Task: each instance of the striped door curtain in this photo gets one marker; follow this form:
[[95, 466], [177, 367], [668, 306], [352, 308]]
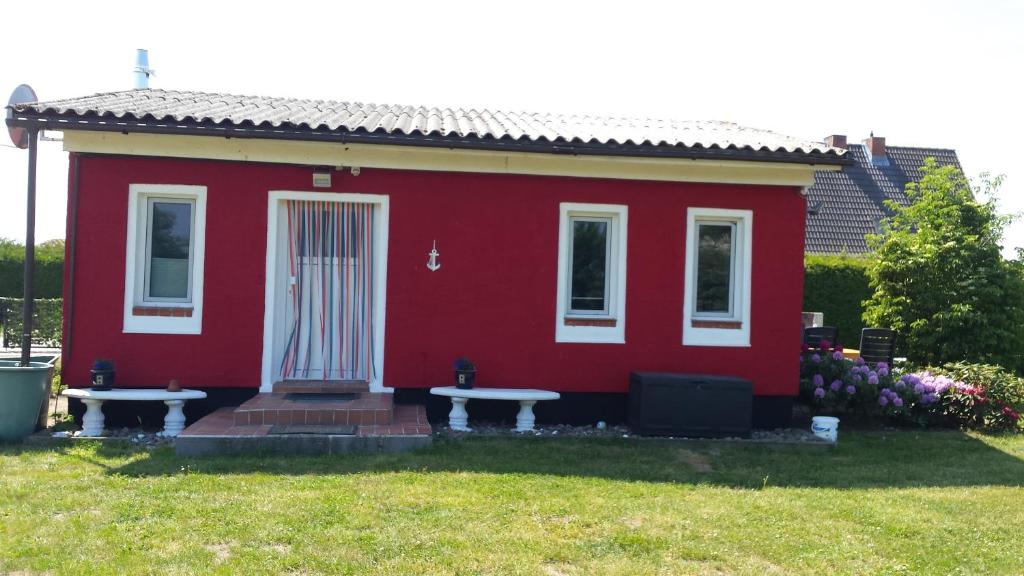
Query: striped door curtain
[[329, 313]]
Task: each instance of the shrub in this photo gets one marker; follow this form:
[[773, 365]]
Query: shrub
[[838, 286], [984, 397], [988, 399], [833, 384], [938, 277], [919, 398]]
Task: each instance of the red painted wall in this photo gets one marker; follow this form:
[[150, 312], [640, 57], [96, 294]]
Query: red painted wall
[[493, 300]]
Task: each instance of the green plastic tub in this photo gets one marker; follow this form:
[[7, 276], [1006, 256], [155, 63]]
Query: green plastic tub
[[22, 390]]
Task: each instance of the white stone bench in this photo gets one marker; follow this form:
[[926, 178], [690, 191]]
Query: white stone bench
[[92, 422], [458, 418]]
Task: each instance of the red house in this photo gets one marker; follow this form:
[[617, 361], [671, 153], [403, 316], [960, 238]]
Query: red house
[[232, 242]]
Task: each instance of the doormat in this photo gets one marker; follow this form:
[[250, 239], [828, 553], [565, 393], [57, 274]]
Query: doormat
[[321, 397], [339, 430]]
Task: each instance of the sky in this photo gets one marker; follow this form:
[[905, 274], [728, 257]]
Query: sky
[[941, 74]]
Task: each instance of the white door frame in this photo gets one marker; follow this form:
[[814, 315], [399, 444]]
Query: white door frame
[[276, 197]]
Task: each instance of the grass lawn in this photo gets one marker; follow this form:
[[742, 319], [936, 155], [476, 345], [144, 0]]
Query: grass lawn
[[880, 503]]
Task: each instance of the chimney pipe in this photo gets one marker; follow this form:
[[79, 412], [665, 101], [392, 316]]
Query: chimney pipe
[[836, 141], [142, 69], [875, 146]]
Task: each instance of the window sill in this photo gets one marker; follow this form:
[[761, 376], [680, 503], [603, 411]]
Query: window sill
[[717, 324], [172, 311], [585, 321]]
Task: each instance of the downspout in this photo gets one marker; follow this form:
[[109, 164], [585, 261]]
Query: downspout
[[69, 290], [28, 290]]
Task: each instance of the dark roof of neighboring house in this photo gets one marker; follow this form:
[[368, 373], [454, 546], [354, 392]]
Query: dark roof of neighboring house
[[180, 112], [849, 203]]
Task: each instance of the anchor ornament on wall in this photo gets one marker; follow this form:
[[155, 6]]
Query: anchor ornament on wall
[[432, 264]]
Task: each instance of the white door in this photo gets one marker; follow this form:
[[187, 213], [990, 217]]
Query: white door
[[326, 287]]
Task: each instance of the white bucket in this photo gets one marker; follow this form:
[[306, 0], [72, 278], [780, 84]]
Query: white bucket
[[825, 427]]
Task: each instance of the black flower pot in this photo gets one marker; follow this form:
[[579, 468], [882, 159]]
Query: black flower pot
[[464, 379], [102, 379]]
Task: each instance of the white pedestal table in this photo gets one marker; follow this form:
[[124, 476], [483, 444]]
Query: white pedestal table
[[458, 418], [92, 422]]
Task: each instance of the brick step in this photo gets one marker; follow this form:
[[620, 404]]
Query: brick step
[[320, 386], [217, 434], [288, 409]]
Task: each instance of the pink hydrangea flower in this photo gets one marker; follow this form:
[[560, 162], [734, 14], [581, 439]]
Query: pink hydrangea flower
[[819, 392]]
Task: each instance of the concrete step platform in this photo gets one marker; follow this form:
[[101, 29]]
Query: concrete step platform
[[219, 434]]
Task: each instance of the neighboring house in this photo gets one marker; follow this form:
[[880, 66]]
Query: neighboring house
[[845, 206], [231, 242]]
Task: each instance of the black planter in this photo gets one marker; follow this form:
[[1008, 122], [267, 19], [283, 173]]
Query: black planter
[[102, 379], [464, 379]]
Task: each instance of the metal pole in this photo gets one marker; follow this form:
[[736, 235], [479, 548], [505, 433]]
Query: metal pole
[[30, 249]]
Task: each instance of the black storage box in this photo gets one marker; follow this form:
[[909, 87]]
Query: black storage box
[[694, 405]]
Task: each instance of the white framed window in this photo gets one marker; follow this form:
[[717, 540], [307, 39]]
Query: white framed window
[[716, 289], [164, 259], [591, 293]]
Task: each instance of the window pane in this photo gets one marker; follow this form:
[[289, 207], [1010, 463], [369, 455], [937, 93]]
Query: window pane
[[714, 268], [171, 233], [589, 265]]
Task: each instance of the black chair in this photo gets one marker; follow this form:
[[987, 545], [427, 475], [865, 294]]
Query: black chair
[[878, 345], [813, 336]]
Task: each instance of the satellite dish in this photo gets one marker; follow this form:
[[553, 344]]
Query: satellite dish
[[22, 94]]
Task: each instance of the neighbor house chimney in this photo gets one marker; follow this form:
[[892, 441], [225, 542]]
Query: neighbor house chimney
[[875, 146], [836, 141], [142, 69]]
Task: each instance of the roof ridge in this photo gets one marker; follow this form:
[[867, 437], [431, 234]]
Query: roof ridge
[[897, 147], [889, 147], [466, 110]]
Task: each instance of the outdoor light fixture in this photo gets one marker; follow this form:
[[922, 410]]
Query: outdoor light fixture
[[322, 177]]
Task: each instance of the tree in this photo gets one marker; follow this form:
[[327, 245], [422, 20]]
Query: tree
[[938, 276]]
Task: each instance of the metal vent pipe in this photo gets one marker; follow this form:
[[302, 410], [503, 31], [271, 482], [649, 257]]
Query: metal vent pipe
[[142, 69]]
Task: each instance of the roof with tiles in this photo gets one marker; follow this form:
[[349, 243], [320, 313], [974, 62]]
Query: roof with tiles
[[156, 110], [846, 205]]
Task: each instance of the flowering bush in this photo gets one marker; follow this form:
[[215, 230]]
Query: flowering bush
[[834, 384], [914, 398], [970, 396], [982, 397]]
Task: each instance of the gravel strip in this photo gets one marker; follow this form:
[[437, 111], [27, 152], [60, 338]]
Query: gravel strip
[[777, 436], [136, 436]]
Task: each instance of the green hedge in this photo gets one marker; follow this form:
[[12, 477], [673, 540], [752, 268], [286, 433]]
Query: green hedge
[[49, 269], [48, 279], [837, 286], [46, 324]]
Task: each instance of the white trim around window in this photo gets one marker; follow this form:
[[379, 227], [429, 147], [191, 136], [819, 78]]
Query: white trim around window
[[598, 324], [145, 312], [729, 324]]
